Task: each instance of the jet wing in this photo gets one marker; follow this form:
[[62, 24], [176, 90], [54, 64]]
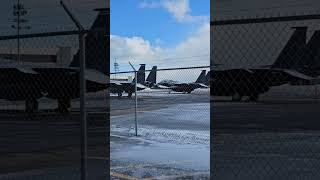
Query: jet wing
[[298, 75], [27, 70], [248, 70], [96, 76], [115, 83], [161, 86], [203, 85], [141, 86], [126, 83]]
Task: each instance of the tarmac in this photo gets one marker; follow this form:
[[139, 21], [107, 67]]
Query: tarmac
[[275, 138], [46, 144]]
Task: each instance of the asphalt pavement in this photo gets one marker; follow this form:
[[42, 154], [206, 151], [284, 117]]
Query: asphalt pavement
[[275, 138]]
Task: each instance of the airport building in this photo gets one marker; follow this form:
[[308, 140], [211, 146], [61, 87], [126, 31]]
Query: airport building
[[60, 55], [63, 55]]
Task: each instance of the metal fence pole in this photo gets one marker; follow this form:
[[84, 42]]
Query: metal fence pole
[[136, 98], [316, 91], [83, 114], [18, 32], [136, 102]]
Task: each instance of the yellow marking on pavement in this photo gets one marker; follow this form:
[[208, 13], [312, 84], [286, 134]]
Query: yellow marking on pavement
[[124, 176]]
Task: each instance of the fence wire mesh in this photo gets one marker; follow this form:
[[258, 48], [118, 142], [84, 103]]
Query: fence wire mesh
[[270, 67], [172, 116]]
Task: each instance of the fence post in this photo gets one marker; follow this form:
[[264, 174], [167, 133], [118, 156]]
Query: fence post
[[136, 102], [135, 98], [316, 91], [83, 114]]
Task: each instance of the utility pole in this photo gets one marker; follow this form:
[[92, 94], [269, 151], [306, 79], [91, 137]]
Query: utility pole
[[116, 68], [19, 11]]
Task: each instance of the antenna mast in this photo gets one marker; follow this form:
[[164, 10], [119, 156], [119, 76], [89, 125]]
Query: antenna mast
[[19, 11], [116, 67]]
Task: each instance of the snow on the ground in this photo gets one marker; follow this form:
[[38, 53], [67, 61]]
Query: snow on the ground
[[160, 145], [167, 135], [181, 123]]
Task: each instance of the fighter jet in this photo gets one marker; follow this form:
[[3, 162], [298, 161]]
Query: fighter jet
[[119, 87], [255, 81], [30, 81], [184, 87]]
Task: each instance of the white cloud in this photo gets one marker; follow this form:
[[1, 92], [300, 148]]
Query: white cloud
[[180, 9], [197, 43], [135, 49], [193, 51]]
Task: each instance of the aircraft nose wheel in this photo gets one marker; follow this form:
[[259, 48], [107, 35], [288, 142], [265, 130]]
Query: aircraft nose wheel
[[32, 105], [254, 97], [236, 97], [64, 105]]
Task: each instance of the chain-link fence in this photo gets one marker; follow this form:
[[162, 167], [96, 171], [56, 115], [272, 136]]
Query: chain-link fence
[[172, 121], [265, 92], [47, 130]]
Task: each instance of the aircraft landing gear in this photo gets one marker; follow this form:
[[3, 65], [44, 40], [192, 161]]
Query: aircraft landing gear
[[129, 94], [64, 105], [236, 97], [254, 97], [32, 105]]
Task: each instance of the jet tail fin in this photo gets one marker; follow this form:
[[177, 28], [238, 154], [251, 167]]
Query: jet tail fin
[[141, 74], [293, 52], [152, 77], [202, 77], [207, 79], [97, 51], [312, 55]]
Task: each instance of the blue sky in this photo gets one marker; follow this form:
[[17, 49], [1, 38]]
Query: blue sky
[[158, 32], [128, 18]]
